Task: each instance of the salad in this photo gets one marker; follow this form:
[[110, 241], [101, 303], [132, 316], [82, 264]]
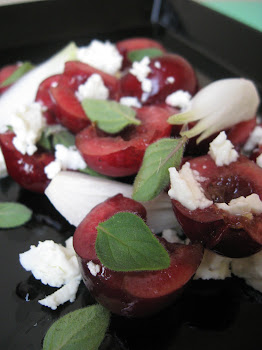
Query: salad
[[129, 144]]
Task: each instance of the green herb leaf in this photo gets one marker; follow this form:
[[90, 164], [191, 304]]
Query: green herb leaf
[[92, 172], [79, 330], [45, 141], [125, 243], [18, 73], [138, 55], [64, 138], [110, 116], [153, 175], [13, 214]]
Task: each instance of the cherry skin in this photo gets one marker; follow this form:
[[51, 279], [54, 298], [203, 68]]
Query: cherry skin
[[5, 73], [122, 155], [234, 236], [128, 45], [46, 99], [133, 294], [169, 73], [27, 171]]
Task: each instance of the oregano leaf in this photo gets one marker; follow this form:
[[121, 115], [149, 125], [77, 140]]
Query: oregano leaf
[[109, 116], [138, 55], [125, 243], [18, 73], [13, 214], [153, 175], [64, 138], [78, 330]]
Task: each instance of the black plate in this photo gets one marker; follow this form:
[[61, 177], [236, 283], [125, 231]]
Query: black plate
[[211, 314]]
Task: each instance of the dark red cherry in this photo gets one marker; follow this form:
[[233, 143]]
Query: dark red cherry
[[230, 235], [135, 294], [128, 45], [27, 171], [46, 99], [121, 155], [169, 73]]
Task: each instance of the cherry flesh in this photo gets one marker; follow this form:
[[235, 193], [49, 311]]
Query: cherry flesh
[[5, 73], [27, 171], [122, 155]]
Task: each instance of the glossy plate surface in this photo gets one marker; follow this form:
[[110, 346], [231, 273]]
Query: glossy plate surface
[[211, 314]]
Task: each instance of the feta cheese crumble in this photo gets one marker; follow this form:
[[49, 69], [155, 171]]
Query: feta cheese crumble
[[222, 150], [213, 266], [170, 80], [243, 205], [65, 158], [180, 99], [93, 88], [157, 64], [56, 266], [254, 139], [141, 70], [186, 189], [93, 268], [130, 101], [250, 269], [28, 124], [101, 55]]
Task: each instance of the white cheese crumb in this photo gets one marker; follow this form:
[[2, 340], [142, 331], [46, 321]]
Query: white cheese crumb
[[103, 56], [51, 263], [93, 268], [180, 99], [62, 295], [254, 139], [93, 88], [3, 170], [130, 101], [186, 189], [250, 269], [171, 236], [65, 158], [213, 266], [157, 64], [259, 160], [27, 123], [56, 266], [222, 150], [170, 80], [243, 205], [141, 70]]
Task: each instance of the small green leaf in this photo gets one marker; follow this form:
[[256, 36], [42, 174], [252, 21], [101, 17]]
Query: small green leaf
[[18, 73], [83, 329], [110, 116], [138, 55], [64, 138], [153, 175], [125, 243], [92, 172], [45, 141], [13, 214]]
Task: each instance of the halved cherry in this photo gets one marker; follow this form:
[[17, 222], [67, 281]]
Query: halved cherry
[[5, 73], [135, 294], [46, 99], [240, 132], [127, 45], [69, 111], [169, 73], [122, 155], [27, 171], [230, 235], [78, 72]]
